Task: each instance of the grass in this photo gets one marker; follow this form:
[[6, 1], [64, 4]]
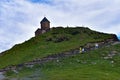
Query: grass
[[56, 41], [88, 66]]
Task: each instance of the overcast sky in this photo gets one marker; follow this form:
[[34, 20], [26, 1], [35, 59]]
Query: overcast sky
[[20, 18]]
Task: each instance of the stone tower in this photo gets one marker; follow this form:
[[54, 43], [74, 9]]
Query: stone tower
[[45, 26]]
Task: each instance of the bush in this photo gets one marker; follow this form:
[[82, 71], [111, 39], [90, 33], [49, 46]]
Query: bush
[[57, 38], [60, 38], [75, 32], [49, 38]]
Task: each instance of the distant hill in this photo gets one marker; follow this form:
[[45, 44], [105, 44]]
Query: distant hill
[[55, 41]]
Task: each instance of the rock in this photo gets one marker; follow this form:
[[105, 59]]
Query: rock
[[15, 71], [57, 60], [114, 52], [29, 66], [115, 38], [112, 62], [117, 42]]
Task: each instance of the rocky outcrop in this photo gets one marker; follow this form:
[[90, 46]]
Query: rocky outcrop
[[114, 37]]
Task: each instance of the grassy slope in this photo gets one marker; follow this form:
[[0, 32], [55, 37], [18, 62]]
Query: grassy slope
[[38, 47], [88, 66]]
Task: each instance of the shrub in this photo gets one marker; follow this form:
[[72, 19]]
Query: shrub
[[49, 38], [75, 32], [60, 38]]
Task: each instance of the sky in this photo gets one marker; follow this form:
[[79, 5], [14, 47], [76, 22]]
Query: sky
[[20, 18]]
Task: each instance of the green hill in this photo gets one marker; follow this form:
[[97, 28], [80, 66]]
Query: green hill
[[59, 40], [92, 65], [56, 41]]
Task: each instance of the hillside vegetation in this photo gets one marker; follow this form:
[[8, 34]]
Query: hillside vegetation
[[93, 65], [55, 41]]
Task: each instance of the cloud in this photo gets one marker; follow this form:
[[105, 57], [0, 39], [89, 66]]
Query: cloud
[[20, 18]]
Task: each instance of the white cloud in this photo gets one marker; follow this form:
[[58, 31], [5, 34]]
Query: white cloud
[[20, 18]]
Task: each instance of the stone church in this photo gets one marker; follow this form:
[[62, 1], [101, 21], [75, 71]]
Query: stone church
[[45, 26]]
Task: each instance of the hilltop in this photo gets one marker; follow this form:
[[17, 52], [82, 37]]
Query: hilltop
[[59, 40], [55, 41]]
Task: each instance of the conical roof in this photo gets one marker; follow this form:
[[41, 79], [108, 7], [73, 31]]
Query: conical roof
[[44, 20]]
